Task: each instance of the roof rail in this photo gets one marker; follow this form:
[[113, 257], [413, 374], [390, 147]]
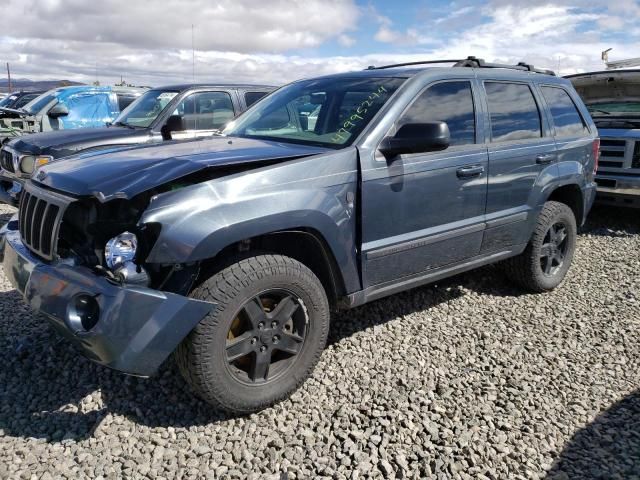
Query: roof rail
[[471, 62]]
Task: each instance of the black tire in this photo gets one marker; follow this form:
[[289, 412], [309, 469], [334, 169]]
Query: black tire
[[533, 269], [204, 357]]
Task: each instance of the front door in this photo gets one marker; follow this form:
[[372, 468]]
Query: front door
[[424, 211]]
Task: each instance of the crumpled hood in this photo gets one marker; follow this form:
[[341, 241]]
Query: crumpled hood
[[607, 86], [126, 173], [62, 143]]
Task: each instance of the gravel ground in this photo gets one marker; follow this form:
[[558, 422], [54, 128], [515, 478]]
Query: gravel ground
[[469, 378]]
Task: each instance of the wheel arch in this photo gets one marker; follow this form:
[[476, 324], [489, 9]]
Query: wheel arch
[[304, 244], [572, 196]]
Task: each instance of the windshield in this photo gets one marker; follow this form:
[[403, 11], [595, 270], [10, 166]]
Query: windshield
[[38, 103], [145, 109], [8, 100], [614, 107], [328, 112]]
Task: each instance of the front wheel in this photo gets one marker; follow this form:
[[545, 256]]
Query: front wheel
[[263, 339], [545, 262]]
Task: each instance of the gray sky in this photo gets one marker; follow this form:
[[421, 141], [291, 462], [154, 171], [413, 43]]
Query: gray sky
[[274, 41]]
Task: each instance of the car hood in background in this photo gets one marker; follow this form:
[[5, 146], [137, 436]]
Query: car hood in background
[[126, 173], [607, 86], [62, 143]]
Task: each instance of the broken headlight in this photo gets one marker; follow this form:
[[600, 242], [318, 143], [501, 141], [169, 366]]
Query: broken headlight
[[120, 249]]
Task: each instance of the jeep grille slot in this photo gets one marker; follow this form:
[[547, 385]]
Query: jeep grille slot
[[6, 160], [39, 220]]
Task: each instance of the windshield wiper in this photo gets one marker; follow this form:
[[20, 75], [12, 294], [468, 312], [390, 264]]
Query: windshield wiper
[[600, 111]]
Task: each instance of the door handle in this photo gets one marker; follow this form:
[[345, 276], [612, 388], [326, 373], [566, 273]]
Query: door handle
[[544, 159], [470, 171]]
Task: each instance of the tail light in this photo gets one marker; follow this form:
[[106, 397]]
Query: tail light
[[596, 154]]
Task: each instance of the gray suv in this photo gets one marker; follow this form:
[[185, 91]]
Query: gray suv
[[231, 252]]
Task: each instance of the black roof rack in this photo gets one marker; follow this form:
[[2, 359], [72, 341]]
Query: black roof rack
[[472, 62]]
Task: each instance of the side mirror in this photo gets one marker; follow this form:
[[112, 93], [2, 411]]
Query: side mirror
[[173, 124], [58, 110], [417, 138]]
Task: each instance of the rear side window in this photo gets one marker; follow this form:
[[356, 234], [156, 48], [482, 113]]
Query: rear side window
[[450, 102], [566, 118], [513, 111], [252, 97]]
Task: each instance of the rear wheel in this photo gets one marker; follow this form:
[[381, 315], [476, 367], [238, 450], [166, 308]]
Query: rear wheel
[[548, 256], [263, 339]]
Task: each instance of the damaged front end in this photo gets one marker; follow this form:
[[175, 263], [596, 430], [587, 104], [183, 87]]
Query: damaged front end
[[128, 316]]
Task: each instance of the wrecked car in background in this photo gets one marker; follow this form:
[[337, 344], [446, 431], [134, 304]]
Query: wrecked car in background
[[613, 99], [16, 100], [67, 108], [169, 113]]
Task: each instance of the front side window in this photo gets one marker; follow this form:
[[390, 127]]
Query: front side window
[[87, 109], [205, 110], [566, 118], [144, 110], [450, 102], [513, 111], [328, 112]]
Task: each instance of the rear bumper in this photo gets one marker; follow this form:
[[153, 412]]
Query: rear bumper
[[137, 328], [618, 190]]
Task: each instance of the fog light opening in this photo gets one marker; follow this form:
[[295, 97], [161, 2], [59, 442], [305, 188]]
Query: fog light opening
[[83, 312]]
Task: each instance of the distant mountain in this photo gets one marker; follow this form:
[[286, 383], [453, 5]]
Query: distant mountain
[[26, 84]]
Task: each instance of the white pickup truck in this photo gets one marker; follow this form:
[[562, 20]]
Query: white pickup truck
[[613, 99]]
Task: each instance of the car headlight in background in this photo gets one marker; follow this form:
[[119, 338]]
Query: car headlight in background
[[29, 163], [120, 249]]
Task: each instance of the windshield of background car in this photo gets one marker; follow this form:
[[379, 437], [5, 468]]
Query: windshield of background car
[[38, 103], [143, 111], [8, 100], [328, 112], [613, 107]]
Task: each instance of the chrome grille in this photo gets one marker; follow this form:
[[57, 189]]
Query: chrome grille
[[6, 160], [39, 220], [619, 154]]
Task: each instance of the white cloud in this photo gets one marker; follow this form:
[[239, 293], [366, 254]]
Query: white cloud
[[346, 40]]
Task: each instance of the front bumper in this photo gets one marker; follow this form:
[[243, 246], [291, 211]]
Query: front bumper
[[618, 190], [137, 329]]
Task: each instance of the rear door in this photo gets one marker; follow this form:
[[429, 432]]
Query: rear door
[[573, 138], [521, 149], [426, 210]]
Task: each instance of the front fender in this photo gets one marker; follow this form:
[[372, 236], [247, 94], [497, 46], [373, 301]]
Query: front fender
[[316, 192]]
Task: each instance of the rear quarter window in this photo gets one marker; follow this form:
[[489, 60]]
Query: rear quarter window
[[252, 97], [566, 118]]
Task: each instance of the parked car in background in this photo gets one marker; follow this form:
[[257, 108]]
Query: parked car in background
[[170, 113], [17, 100], [613, 99], [231, 251], [67, 108]]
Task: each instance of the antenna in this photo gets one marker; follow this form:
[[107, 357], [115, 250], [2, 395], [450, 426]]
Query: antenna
[[193, 56], [9, 75]]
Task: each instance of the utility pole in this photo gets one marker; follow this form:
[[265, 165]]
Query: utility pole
[[9, 75]]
